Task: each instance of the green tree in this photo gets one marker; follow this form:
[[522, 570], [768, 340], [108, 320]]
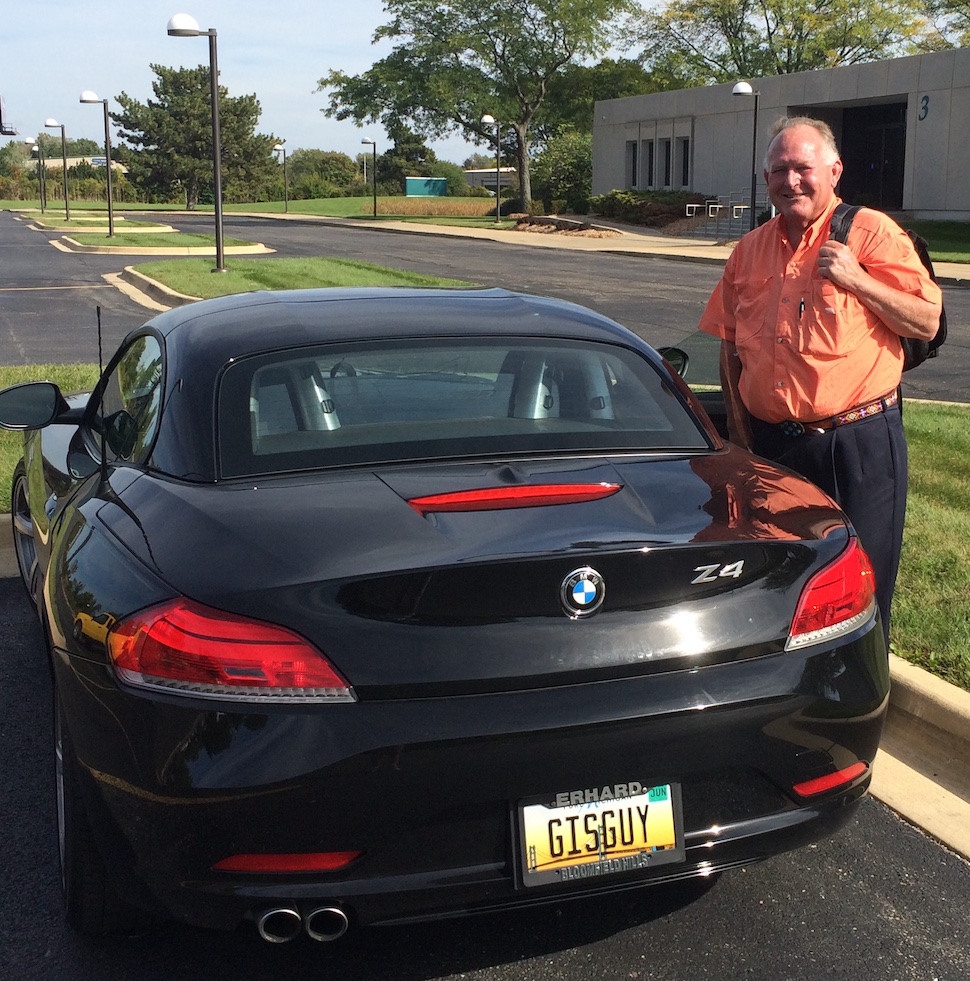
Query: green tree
[[564, 171], [170, 139], [407, 157], [951, 20], [480, 161], [326, 165], [573, 92], [697, 42], [455, 60]]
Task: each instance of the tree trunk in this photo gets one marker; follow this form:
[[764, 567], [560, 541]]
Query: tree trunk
[[191, 194]]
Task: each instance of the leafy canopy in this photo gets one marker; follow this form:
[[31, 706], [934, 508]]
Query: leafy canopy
[[456, 60], [698, 42], [172, 135]]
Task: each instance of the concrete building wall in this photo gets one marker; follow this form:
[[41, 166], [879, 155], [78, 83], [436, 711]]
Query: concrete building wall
[[933, 91]]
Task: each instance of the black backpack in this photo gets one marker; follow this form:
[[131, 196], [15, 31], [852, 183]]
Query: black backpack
[[915, 351]]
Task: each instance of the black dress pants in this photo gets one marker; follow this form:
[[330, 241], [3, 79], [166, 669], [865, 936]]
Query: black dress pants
[[863, 467]]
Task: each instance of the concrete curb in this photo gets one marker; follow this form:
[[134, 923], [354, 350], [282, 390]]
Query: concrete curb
[[70, 245], [152, 288]]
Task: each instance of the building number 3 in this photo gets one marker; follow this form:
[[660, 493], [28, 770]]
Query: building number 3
[[924, 107]]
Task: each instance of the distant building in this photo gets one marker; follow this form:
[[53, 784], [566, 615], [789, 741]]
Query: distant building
[[485, 177], [901, 126], [56, 162]]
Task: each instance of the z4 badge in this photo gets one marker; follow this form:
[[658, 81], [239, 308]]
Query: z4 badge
[[711, 573]]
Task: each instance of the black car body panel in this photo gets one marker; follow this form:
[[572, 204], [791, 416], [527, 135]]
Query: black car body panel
[[477, 687]]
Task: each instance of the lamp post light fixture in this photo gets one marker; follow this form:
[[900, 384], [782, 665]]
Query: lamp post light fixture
[[745, 89], [37, 147], [373, 145], [279, 148], [54, 124], [185, 25], [489, 120], [90, 98]]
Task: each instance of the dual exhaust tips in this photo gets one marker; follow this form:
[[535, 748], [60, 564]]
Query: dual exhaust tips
[[284, 923]]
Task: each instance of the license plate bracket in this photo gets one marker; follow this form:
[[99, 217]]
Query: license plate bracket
[[583, 835]]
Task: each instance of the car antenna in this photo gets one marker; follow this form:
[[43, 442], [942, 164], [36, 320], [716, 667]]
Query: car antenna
[[104, 445]]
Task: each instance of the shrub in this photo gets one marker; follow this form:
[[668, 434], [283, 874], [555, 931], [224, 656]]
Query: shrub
[[653, 209]]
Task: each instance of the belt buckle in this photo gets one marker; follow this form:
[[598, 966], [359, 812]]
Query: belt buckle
[[792, 428]]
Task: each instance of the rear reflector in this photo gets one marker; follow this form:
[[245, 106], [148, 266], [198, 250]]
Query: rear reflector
[[835, 601], [299, 862], [524, 496], [185, 647], [809, 788]]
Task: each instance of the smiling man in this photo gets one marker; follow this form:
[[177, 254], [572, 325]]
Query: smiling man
[[810, 354]]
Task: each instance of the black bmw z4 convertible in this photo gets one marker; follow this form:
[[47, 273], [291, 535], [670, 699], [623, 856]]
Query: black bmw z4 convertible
[[380, 605]]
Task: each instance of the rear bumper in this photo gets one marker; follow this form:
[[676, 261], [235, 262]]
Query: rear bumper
[[428, 789]]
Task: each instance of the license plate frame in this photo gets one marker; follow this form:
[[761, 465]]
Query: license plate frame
[[572, 838]]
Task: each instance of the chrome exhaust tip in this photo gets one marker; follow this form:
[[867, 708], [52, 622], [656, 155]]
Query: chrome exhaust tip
[[326, 923], [279, 925]]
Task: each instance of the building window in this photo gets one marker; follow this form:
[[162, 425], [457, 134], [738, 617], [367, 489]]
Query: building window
[[665, 162], [647, 157], [683, 161], [631, 163]]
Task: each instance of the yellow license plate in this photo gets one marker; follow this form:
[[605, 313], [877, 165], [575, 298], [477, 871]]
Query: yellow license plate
[[583, 834]]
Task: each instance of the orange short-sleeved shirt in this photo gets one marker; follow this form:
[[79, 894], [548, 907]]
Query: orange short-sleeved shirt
[[808, 348]]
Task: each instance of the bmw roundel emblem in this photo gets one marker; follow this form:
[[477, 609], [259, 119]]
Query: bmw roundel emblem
[[582, 592]]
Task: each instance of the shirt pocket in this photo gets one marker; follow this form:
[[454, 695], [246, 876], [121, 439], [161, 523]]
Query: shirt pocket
[[827, 326], [752, 298]]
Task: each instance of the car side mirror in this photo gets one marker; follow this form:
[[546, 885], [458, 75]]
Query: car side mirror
[[32, 405], [676, 358]]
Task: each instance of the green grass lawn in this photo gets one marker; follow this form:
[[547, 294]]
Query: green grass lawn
[[194, 277], [149, 240]]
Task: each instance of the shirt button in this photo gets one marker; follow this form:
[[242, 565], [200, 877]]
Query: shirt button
[[781, 340], [780, 384], [784, 299]]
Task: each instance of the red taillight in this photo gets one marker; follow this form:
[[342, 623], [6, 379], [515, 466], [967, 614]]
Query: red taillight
[[522, 496], [836, 600], [184, 646], [298, 862], [809, 788]]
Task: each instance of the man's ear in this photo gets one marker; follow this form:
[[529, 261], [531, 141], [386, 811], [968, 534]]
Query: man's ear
[[836, 173]]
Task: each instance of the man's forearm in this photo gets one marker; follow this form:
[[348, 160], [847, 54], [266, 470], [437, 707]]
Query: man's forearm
[[738, 418]]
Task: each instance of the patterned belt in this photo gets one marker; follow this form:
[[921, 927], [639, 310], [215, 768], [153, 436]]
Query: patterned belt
[[874, 408]]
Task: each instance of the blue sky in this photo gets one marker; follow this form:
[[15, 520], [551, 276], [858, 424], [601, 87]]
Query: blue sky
[[52, 50]]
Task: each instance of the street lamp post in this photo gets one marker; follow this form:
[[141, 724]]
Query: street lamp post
[[37, 147], [373, 145], [89, 98], [279, 148], [745, 89], [184, 25], [54, 124], [488, 120]]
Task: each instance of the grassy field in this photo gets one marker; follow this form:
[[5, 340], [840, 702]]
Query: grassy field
[[149, 240], [193, 277]]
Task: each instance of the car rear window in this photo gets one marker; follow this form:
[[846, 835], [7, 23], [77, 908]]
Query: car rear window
[[419, 399]]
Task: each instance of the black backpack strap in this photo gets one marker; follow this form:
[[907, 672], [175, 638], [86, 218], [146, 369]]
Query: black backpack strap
[[842, 221]]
